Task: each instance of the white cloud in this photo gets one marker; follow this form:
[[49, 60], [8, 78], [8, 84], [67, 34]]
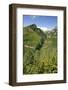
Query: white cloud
[[33, 17], [43, 28]]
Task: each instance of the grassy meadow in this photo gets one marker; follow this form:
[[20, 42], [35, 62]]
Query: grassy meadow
[[40, 50]]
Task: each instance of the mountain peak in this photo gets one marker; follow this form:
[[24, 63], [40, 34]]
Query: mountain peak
[[33, 26]]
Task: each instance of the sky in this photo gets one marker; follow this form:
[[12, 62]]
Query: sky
[[43, 22]]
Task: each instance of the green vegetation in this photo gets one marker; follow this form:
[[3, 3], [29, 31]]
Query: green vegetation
[[40, 50]]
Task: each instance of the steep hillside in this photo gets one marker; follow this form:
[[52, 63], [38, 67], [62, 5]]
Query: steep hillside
[[33, 35]]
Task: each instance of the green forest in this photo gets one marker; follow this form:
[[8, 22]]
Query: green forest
[[40, 50]]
